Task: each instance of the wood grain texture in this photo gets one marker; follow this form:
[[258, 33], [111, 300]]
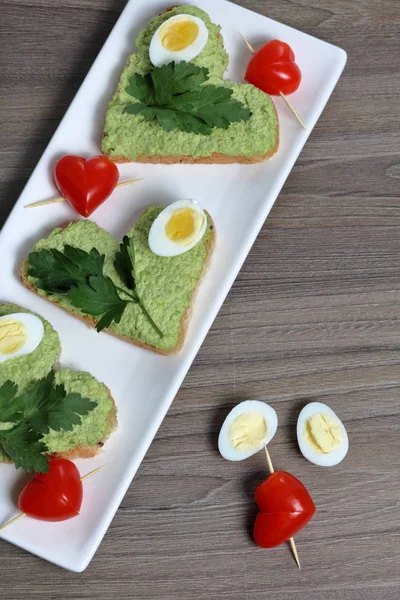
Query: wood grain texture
[[314, 315]]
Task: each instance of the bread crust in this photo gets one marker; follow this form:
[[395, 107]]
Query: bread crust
[[214, 159], [185, 317]]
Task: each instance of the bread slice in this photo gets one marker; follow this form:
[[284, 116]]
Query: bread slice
[[185, 318], [130, 138]]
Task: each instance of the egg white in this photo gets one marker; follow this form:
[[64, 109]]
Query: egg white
[[161, 56], [35, 332], [248, 406], [159, 242], [322, 460]]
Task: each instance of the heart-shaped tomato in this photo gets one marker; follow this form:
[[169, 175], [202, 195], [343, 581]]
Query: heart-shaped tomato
[[285, 507], [53, 496], [86, 183], [273, 69]]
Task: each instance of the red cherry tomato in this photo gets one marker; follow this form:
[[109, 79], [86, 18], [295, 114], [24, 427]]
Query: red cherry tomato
[[285, 507], [273, 69], [53, 496], [86, 183]]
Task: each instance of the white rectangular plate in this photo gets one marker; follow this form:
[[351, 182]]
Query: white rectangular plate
[[239, 198]]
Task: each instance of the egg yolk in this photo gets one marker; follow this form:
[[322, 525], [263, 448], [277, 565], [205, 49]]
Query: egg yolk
[[179, 34], [13, 335], [247, 432], [323, 433], [183, 226]]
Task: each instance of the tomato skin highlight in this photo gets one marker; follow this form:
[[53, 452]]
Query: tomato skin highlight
[[273, 69], [53, 496], [86, 183], [285, 508]]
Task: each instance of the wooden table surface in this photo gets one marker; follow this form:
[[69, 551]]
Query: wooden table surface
[[313, 315]]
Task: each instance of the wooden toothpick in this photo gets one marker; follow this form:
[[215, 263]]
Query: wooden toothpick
[[282, 95], [14, 520], [62, 199], [18, 517], [291, 540], [295, 553], [247, 43], [91, 473], [269, 461], [292, 109]]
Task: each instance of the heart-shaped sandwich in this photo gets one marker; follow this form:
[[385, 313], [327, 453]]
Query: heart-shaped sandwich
[[285, 507], [141, 290], [45, 411], [172, 104]]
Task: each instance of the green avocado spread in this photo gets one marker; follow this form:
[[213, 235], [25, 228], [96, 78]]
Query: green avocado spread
[[165, 285], [24, 369], [132, 136]]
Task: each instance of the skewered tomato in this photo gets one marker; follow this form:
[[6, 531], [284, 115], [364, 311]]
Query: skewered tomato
[[273, 69], [55, 495]]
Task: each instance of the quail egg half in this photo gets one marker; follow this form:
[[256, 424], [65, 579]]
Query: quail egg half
[[177, 229], [20, 333], [179, 38], [321, 435], [247, 429]]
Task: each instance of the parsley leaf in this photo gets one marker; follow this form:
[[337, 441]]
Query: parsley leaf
[[46, 406], [24, 447], [43, 407], [141, 87], [30, 402], [62, 411], [124, 264], [98, 296], [213, 105], [176, 78], [175, 97], [79, 275], [8, 411], [57, 271]]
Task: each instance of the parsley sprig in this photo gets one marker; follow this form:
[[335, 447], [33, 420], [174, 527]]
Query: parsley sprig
[[174, 95], [31, 415], [79, 275], [125, 266]]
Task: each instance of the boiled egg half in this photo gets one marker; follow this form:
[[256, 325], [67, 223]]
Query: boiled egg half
[[321, 435], [20, 333], [177, 229], [179, 38], [247, 428]]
